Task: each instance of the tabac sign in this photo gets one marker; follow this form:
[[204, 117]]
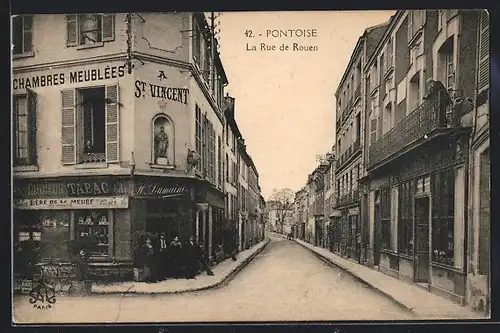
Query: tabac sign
[[95, 187]]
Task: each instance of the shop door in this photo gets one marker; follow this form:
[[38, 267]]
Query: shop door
[[206, 232], [242, 237], [421, 261], [378, 235]]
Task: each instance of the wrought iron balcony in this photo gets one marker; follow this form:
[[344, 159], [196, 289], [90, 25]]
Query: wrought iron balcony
[[348, 198], [348, 153], [426, 119], [92, 158]]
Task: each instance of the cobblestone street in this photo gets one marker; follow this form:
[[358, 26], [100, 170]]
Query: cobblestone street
[[284, 282]]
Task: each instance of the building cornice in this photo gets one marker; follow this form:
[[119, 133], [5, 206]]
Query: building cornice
[[70, 63], [72, 173]]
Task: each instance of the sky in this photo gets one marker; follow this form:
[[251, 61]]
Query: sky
[[284, 100]]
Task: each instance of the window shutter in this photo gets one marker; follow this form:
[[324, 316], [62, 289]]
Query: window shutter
[[484, 50], [31, 105], [373, 130], [71, 30], [68, 132], [108, 27], [410, 24], [27, 33], [15, 119], [80, 133], [112, 124]]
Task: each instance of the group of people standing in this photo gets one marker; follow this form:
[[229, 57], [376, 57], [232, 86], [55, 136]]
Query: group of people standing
[[174, 259]]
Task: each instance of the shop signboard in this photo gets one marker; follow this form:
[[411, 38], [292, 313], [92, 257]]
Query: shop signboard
[[161, 189], [72, 203], [75, 188]]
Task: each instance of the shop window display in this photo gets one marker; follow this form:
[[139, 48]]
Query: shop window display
[[54, 227], [51, 228], [92, 227]]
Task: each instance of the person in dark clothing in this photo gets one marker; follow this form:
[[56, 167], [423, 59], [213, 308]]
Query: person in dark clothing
[[440, 99], [202, 258], [229, 244], [149, 261], [358, 247], [190, 253], [175, 252], [162, 257]]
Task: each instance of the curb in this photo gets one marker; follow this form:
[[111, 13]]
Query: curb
[[357, 277], [214, 285]]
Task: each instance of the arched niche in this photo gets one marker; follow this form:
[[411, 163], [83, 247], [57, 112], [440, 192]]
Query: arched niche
[[163, 141]]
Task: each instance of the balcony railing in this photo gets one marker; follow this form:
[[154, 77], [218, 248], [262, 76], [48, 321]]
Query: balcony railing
[[93, 158], [348, 198], [348, 153], [429, 116]]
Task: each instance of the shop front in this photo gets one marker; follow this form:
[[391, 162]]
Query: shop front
[[54, 211], [64, 214], [209, 218], [164, 205], [335, 231], [418, 217]]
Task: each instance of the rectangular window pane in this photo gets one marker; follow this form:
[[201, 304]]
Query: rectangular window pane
[[55, 234], [23, 125], [17, 35], [23, 153], [92, 230], [23, 236]]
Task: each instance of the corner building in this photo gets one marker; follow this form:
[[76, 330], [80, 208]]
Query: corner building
[[118, 129], [416, 152]]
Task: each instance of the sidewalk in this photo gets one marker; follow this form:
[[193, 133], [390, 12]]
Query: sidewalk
[[222, 273], [423, 304]]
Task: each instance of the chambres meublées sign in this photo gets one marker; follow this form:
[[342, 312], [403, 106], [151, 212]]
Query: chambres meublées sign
[[68, 77]]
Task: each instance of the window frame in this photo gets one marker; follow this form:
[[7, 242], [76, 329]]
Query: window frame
[[385, 218], [449, 64], [406, 196], [443, 218], [27, 32], [75, 19], [31, 160]]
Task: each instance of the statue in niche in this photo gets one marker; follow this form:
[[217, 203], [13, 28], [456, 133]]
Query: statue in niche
[[161, 146]]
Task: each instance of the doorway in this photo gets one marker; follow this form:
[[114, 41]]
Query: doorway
[[421, 257], [378, 235]]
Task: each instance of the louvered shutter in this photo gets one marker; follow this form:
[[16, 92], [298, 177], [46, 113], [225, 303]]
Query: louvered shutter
[[71, 30], [379, 124], [373, 130], [112, 124], [27, 33], [484, 51], [15, 120], [68, 130], [80, 130], [108, 27], [31, 105]]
